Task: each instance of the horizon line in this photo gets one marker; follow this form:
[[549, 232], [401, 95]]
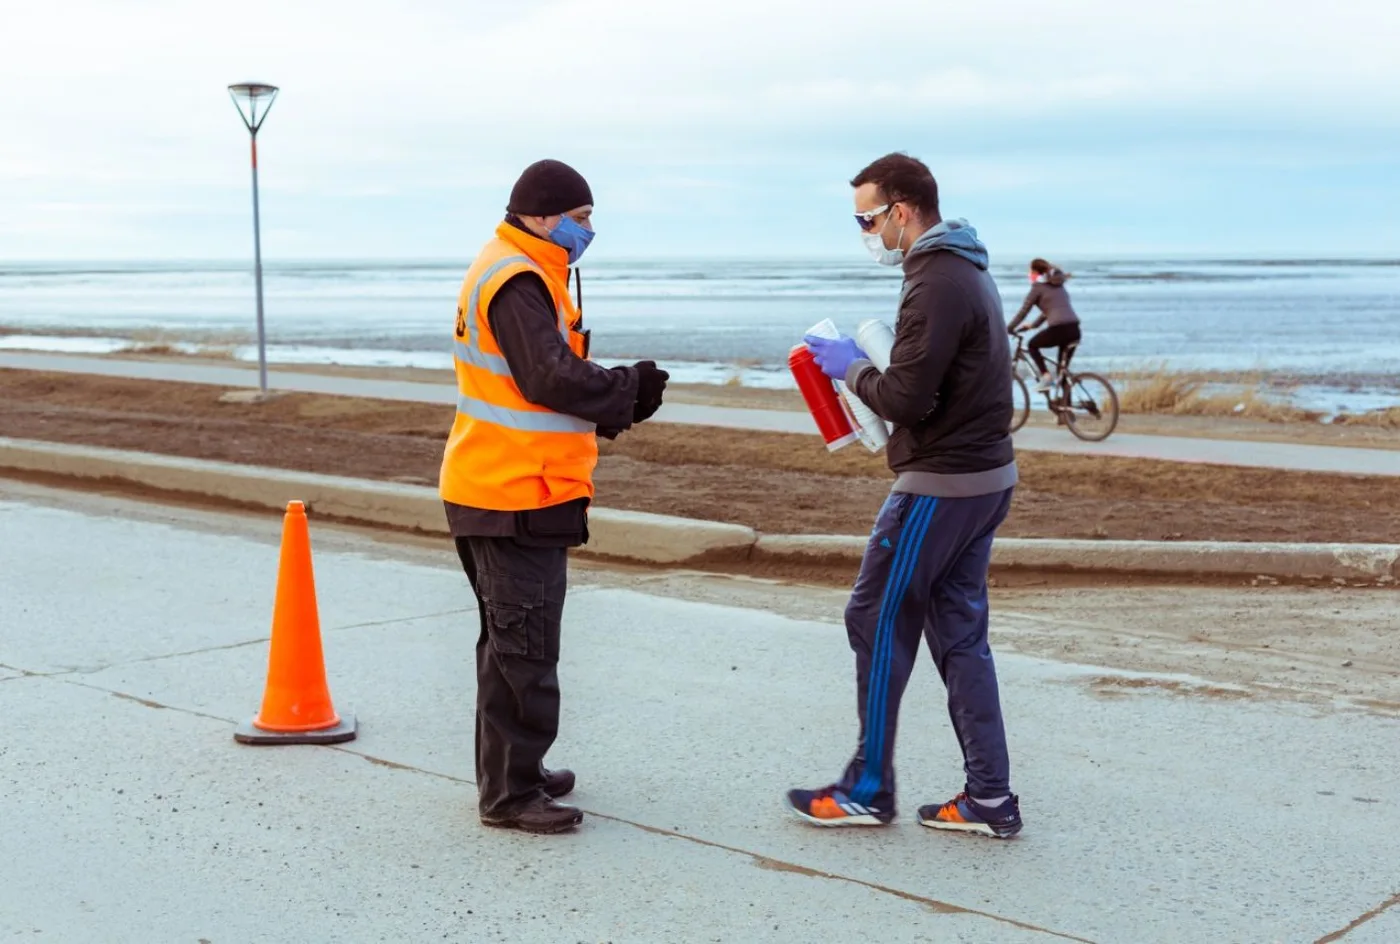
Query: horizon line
[[1177, 255]]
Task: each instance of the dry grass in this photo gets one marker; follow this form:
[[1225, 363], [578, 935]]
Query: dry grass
[[735, 378], [1163, 391], [157, 342], [152, 350], [161, 349], [1376, 419]]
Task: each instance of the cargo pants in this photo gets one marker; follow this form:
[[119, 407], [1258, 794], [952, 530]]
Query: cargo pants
[[520, 594]]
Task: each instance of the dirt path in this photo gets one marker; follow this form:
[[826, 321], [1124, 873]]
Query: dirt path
[[774, 482], [1230, 644]]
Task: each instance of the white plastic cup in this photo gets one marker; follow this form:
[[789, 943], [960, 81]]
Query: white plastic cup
[[871, 429], [876, 339]]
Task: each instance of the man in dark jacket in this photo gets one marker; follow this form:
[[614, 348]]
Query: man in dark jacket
[[924, 575], [517, 478]]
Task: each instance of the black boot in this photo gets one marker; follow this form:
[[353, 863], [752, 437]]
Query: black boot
[[541, 816], [558, 783]]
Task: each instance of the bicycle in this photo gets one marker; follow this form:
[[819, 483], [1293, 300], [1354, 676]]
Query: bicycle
[[1085, 402]]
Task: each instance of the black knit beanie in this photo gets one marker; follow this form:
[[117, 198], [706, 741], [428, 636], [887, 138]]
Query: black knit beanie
[[548, 188]]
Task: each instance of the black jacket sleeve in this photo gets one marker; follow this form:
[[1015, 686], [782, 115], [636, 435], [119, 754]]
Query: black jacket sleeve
[[927, 337], [1032, 299], [523, 320]]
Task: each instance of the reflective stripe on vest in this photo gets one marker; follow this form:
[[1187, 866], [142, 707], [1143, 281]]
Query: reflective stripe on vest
[[468, 350], [522, 419], [475, 356]]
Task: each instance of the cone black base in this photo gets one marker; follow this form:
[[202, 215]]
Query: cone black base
[[249, 733]]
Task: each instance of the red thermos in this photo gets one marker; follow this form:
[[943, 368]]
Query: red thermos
[[822, 400]]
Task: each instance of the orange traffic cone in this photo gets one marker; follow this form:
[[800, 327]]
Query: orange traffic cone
[[296, 706]]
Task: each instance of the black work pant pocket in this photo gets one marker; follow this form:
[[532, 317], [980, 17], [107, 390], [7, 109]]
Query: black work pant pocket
[[519, 622]]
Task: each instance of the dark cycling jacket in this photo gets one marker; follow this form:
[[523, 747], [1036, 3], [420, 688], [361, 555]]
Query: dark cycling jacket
[[1052, 298]]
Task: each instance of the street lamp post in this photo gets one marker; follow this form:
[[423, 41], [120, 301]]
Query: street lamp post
[[254, 100]]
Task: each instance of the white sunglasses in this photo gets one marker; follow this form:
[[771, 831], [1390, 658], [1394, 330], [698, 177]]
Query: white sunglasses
[[866, 220]]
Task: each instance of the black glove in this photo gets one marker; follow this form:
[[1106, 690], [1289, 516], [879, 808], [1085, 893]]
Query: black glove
[[609, 432], [651, 384]]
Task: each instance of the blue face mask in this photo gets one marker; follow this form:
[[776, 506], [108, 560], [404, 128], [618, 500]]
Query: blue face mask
[[572, 237]]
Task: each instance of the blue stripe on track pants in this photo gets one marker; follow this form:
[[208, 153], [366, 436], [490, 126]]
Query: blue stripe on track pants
[[924, 575]]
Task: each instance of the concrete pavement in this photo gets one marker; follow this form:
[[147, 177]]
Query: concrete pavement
[[1307, 458], [133, 637]]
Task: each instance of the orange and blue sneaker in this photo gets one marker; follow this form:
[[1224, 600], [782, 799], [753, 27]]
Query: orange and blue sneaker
[[830, 806], [966, 815]]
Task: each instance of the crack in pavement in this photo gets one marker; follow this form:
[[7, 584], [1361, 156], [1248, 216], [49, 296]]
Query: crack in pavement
[[758, 858], [1371, 915], [762, 861], [146, 702], [779, 865], [30, 673], [223, 647], [144, 660], [403, 619]]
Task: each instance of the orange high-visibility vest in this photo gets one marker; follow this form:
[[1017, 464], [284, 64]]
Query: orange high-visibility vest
[[506, 453]]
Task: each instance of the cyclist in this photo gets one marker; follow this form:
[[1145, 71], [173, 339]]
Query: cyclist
[[1049, 294]]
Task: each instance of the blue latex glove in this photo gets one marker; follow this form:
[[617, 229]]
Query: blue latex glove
[[834, 357]]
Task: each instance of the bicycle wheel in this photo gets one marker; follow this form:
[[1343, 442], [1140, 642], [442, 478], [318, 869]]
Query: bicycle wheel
[[1091, 407], [1020, 402]]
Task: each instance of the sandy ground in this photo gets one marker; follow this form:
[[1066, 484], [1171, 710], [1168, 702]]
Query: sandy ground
[[1204, 427], [776, 482], [1318, 646]]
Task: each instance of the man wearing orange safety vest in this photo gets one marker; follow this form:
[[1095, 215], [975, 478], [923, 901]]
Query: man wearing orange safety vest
[[517, 478]]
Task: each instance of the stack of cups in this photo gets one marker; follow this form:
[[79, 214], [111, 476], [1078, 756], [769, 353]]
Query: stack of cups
[[871, 429]]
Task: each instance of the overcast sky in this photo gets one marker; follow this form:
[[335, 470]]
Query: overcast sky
[[719, 128]]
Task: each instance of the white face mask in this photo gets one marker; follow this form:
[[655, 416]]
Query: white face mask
[[875, 245]]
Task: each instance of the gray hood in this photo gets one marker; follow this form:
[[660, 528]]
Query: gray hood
[[954, 236]]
